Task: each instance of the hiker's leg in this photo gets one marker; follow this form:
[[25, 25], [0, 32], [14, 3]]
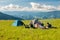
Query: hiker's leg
[[36, 26]]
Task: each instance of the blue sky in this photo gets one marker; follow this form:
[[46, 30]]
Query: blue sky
[[29, 5], [26, 2]]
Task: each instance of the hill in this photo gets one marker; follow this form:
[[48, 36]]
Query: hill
[[8, 17], [9, 32], [32, 15]]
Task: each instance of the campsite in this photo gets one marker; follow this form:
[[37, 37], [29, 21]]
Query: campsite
[[9, 32], [29, 19]]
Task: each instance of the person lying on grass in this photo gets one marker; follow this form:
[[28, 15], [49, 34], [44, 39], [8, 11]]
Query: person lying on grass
[[35, 24], [41, 25]]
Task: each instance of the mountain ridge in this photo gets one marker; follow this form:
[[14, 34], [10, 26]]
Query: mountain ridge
[[8, 17], [32, 15]]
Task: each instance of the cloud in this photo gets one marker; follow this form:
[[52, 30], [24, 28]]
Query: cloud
[[42, 7], [58, 8], [34, 7]]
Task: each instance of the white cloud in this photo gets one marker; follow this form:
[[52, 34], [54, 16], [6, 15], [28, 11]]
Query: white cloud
[[42, 7], [58, 8], [34, 7]]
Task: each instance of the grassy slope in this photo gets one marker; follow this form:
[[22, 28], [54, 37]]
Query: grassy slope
[[8, 32]]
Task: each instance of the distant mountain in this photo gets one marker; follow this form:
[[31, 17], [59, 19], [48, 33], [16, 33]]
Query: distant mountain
[[32, 15], [8, 17]]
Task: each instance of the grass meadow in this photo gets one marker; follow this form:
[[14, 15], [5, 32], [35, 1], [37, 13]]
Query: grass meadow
[[9, 32]]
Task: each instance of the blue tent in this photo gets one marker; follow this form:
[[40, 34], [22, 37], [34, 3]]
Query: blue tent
[[17, 23]]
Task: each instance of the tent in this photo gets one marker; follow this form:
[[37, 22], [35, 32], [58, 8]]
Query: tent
[[17, 23]]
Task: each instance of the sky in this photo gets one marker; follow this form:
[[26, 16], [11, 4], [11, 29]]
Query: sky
[[29, 5], [26, 2]]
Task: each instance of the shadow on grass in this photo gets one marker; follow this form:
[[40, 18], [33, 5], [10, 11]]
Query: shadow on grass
[[27, 26], [54, 27]]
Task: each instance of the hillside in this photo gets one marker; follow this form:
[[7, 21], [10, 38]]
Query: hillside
[[8, 17], [32, 15], [9, 32]]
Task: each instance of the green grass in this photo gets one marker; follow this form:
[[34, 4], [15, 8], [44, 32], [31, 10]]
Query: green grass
[[9, 32]]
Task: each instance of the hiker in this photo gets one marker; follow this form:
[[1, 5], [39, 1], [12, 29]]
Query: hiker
[[41, 25], [48, 25], [31, 24], [34, 23]]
